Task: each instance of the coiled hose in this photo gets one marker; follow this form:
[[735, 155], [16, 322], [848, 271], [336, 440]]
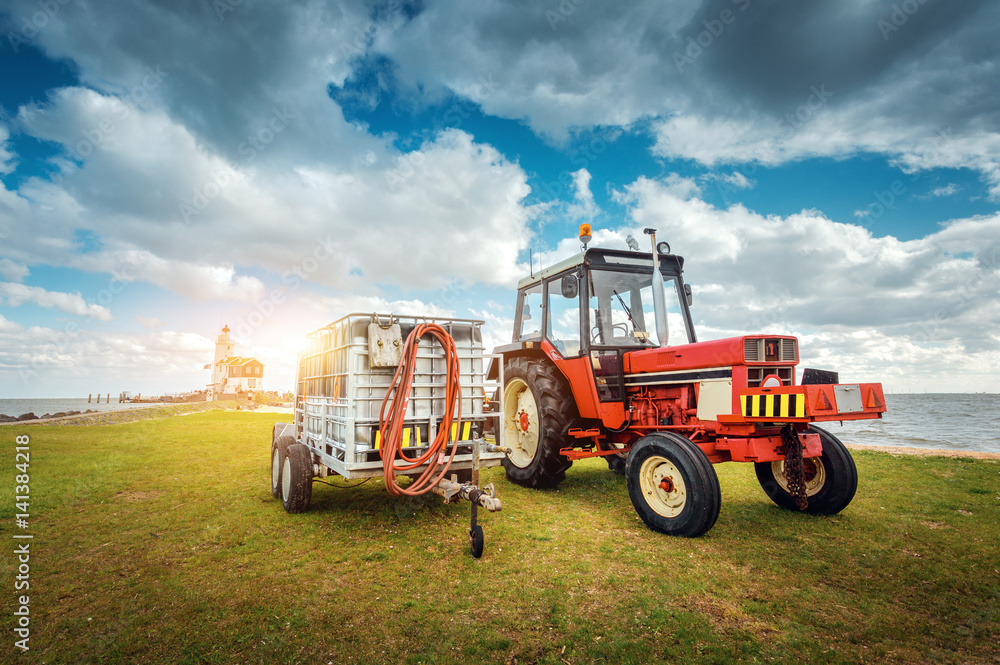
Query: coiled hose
[[393, 411]]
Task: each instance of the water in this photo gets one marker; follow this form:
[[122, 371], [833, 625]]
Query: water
[[17, 407], [939, 421]]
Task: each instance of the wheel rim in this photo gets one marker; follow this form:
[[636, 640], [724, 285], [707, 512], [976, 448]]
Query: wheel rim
[[275, 468], [662, 486], [815, 474], [286, 478], [520, 422]]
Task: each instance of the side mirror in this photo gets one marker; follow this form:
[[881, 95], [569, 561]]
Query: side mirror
[[570, 286], [687, 294]]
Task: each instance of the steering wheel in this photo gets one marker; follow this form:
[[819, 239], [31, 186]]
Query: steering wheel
[[596, 332]]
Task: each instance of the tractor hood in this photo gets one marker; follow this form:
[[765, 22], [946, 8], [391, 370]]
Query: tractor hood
[[746, 350]]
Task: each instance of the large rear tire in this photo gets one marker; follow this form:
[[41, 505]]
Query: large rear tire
[[673, 485], [538, 412], [831, 479], [278, 448], [296, 478]]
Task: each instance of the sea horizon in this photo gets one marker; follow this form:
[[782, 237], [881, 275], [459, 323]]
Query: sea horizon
[[932, 421]]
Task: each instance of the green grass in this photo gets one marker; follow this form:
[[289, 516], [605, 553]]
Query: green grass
[[158, 541]]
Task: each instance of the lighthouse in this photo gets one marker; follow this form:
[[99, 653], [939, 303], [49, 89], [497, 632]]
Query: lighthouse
[[233, 376], [223, 350]]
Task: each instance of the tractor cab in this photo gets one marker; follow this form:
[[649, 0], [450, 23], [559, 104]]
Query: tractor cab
[[588, 311]]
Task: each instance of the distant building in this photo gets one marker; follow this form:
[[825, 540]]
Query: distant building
[[233, 376]]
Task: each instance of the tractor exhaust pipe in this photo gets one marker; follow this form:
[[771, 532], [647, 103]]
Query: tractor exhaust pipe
[[659, 294]]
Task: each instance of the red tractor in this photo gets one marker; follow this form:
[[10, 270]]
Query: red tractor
[[604, 361]]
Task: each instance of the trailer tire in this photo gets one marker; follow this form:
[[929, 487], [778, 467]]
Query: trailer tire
[[831, 479], [296, 478], [538, 412], [278, 447], [673, 485]]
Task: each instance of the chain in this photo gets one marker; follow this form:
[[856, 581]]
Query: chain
[[794, 471]]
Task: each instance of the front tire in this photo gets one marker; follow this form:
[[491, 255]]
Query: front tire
[[831, 479], [673, 485], [296, 478], [538, 412]]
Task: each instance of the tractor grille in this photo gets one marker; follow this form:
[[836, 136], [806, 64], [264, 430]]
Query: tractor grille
[[764, 349], [756, 375]]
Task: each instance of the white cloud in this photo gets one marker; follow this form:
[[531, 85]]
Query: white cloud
[[947, 190], [15, 295], [450, 208], [12, 271], [808, 274], [7, 159], [767, 86], [150, 322]]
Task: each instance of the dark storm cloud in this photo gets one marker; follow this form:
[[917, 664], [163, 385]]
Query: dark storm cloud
[[773, 52]]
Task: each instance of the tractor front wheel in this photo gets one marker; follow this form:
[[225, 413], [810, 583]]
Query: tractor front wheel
[[831, 479], [673, 485], [538, 412]]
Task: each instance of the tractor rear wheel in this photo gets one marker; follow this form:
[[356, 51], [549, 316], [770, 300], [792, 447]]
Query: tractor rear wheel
[[831, 479], [538, 412], [673, 485]]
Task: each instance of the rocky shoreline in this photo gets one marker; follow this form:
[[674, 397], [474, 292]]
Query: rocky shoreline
[[4, 418], [93, 418]]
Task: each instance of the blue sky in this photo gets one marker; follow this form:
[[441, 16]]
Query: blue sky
[[830, 170]]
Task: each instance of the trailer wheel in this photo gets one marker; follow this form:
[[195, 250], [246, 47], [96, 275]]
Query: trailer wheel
[[477, 540], [673, 485], [538, 411], [296, 478], [831, 479], [278, 447]]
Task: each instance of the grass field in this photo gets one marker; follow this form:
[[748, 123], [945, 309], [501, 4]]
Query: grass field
[[159, 542]]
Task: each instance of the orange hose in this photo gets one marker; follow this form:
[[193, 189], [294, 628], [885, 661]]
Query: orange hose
[[391, 423]]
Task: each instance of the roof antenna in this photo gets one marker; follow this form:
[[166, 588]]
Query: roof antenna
[[531, 264]]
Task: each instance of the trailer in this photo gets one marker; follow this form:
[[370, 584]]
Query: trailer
[[391, 397]]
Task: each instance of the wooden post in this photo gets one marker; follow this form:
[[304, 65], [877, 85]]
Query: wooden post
[[89, 397]]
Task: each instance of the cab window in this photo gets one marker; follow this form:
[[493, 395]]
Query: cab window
[[564, 315], [531, 313]]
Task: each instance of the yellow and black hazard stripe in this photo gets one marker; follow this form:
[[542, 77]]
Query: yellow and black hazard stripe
[[773, 406], [412, 436]]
